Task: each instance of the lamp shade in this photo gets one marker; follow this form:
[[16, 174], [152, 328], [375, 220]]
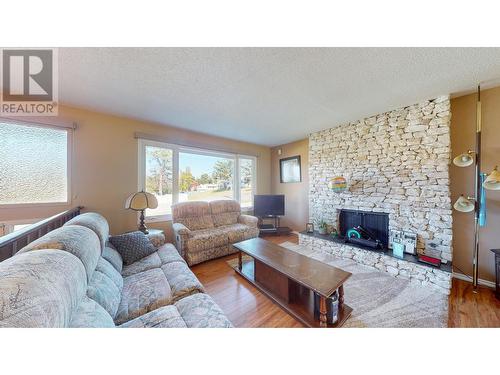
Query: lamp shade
[[492, 182], [464, 160], [140, 201], [464, 205]]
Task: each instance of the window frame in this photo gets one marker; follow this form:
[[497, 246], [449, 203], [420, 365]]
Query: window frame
[[69, 129], [176, 149]]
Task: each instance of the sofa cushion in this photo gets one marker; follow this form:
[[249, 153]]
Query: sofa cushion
[[165, 254], [225, 212], [205, 239], [194, 215], [91, 315], [132, 246], [143, 292], [77, 240], [105, 292], [196, 311], [112, 256], [215, 252], [107, 269], [181, 279], [41, 289], [148, 290], [164, 317], [94, 222], [201, 311], [239, 232]]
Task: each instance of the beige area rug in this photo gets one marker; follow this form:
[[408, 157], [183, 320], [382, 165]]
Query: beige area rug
[[380, 300]]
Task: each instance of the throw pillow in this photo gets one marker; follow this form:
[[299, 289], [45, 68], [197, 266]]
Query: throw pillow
[[132, 246]]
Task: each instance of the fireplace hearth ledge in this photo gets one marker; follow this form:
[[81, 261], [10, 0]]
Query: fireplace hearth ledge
[[408, 268]]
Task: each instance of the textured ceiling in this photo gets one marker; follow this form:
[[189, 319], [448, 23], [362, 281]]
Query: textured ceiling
[[267, 96]]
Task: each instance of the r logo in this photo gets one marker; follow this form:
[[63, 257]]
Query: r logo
[[28, 75]]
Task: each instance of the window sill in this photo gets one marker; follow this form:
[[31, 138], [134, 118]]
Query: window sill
[[158, 219]]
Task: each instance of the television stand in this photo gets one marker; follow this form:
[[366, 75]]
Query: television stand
[[272, 228]]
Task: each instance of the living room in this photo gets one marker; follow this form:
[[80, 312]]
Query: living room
[[250, 187]]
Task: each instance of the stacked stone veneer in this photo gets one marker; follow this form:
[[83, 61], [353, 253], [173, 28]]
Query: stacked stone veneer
[[415, 273], [396, 162]]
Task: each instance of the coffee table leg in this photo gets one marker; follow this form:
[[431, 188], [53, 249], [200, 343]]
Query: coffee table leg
[[240, 262], [341, 296], [322, 312]]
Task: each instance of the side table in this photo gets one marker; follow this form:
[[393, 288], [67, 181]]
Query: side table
[[156, 236]]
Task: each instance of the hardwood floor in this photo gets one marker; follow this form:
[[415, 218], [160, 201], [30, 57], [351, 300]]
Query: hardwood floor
[[247, 307]]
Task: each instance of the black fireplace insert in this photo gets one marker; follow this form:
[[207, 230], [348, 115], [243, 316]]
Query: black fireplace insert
[[370, 229]]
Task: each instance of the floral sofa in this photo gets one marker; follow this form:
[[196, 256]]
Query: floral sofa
[[207, 230], [72, 277]]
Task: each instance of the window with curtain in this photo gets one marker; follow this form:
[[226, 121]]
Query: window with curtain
[[179, 174], [33, 164]]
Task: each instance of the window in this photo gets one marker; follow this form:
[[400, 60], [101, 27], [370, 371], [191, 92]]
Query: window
[[205, 177], [33, 164], [247, 182], [179, 174], [159, 177]]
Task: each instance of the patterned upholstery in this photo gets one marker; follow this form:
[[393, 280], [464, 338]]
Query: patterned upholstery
[[107, 269], [206, 239], [40, 289], [200, 311], [225, 212], [148, 290], [165, 254], [143, 292], [79, 241], [95, 222], [73, 285], [197, 243], [132, 246], [196, 311], [213, 253], [239, 232], [105, 292], [91, 315], [112, 256], [194, 215]]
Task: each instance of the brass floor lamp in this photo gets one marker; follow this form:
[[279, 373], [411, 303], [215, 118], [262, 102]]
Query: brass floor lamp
[[477, 203]]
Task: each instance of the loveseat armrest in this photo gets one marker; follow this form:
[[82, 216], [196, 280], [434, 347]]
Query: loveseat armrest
[[181, 235], [248, 220], [181, 229]]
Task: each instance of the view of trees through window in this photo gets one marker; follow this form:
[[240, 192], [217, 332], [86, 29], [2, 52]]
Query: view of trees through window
[[246, 182], [159, 181], [206, 178], [200, 177]]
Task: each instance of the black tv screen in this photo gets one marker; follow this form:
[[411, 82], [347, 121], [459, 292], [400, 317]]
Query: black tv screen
[[269, 205]]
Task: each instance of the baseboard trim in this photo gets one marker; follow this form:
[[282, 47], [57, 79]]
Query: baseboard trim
[[461, 276]]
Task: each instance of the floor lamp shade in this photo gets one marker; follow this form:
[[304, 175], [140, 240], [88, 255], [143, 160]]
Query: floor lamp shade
[[492, 182], [140, 201], [464, 160], [464, 204]]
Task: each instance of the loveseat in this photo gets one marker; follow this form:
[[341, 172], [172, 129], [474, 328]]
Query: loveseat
[[73, 277], [207, 230]]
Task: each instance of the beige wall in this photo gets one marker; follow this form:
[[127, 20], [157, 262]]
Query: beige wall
[[463, 125], [105, 165], [296, 194]]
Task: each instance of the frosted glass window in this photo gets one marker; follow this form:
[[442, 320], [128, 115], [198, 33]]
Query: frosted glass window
[[33, 164]]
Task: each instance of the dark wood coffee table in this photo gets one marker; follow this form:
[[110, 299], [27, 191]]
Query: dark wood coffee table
[[291, 280]]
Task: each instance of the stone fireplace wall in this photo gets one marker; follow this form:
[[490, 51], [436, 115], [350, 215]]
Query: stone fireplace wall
[[395, 162]]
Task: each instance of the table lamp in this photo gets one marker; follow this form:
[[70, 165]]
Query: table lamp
[[139, 202]]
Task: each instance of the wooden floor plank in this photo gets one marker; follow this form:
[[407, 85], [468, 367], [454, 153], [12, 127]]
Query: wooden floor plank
[[247, 307]]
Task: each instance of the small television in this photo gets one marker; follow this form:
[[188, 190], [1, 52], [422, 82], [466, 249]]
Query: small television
[[269, 205]]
